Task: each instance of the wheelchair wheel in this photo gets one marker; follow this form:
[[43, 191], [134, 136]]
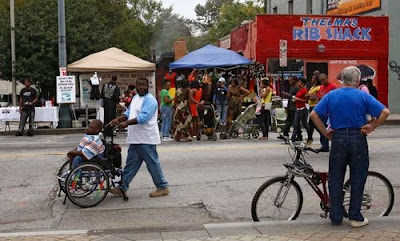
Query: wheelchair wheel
[[87, 185], [63, 173]]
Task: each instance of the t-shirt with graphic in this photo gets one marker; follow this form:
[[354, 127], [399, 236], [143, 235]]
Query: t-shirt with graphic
[[91, 146], [28, 95], [164, 93], [301, 94]]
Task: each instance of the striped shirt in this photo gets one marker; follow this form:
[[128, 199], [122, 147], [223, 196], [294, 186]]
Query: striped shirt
[[91, 146]]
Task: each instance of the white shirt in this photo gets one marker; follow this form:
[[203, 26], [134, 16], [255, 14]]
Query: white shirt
[[146, 107]]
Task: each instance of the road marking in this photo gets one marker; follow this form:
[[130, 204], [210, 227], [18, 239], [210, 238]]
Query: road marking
[[43, 233]]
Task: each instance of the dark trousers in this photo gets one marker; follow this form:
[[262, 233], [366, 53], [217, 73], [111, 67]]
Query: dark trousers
[[349, 147], [24, 117], [300, 116], [311, 127], [110, 111], [263, 120], [289, 122]]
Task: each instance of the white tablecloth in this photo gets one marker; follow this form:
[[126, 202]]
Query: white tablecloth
[[42, 114]]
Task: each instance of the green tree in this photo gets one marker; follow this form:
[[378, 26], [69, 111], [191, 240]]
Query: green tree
[[231, 16], [207, 14]]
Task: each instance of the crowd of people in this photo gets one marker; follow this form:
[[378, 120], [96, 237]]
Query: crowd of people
[[181, 106]]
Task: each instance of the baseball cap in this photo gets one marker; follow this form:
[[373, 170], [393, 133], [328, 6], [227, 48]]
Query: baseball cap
[[222, 79]]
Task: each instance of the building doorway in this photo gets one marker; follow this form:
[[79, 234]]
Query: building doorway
[[313, 66]]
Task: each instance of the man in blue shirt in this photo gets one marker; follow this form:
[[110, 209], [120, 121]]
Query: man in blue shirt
[[347, 108]]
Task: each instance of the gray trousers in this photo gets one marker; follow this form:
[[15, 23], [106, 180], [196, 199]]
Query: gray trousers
[[24, 117]]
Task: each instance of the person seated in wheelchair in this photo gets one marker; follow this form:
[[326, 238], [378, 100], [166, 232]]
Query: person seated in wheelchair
[[91, 146]]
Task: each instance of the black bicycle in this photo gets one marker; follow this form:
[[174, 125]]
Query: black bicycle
[[281, 198]]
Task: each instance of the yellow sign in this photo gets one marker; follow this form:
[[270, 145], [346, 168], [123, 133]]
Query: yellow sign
[[352, 7]]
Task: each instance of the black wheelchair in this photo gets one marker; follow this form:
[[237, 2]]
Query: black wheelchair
[[88, 184]]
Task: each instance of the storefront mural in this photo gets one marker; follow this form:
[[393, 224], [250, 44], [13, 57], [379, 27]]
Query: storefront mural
[[352, 7], [339, 29], [395, 68], [368, 69]]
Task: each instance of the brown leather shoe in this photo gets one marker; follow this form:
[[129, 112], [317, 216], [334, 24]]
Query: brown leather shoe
[[160, 192]]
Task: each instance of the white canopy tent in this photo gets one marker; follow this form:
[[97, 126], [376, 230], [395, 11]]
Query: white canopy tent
[[111, 60], [107, 63]]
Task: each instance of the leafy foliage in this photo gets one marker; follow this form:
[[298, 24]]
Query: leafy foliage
[[136, 26]]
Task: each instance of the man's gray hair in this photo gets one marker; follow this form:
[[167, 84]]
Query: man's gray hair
[[350, 75]]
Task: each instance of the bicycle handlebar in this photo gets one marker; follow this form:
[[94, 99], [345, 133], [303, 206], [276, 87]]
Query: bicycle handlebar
[[303, 147]]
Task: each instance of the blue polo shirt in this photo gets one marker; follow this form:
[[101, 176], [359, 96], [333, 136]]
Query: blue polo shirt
[[348, 107]]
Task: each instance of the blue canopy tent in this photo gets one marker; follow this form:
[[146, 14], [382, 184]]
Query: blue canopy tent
[[208, 57]]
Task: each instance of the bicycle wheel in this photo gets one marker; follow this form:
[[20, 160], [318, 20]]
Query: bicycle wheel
[[62, 173], [378, 196], [277, 199], [87, 185]]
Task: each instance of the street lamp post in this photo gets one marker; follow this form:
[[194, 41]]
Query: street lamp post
[[14, 84]]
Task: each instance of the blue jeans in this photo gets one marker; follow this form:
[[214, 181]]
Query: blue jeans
[[349, 147], [222, 111], [166, 115], [79, 159], [137, 153]]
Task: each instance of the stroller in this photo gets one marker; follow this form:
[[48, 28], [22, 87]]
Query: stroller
[[209, 122], [278, 114], [246, 123]]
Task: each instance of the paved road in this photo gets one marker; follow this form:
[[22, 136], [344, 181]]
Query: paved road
[[210, 182]]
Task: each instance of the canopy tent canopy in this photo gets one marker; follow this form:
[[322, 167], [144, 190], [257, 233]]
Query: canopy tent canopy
[[6, 87], [208, 57], [111, 60]]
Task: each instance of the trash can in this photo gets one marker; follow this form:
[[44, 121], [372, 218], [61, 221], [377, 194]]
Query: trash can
[[64, 117]]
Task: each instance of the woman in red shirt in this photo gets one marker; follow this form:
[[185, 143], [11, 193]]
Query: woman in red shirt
[[301, 110]]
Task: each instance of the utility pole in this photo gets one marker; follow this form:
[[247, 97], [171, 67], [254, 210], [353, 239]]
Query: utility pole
[[65, 118], [14, 84], [62, 49]]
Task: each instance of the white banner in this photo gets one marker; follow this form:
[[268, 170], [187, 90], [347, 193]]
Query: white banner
[[282, 53], [66, 90]]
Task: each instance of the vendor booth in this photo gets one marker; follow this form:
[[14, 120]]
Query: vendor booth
[[97, 69]]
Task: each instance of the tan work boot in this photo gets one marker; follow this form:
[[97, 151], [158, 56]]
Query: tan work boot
[[160, 192]]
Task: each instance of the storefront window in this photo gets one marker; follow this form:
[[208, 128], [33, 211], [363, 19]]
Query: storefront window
[[294, 67]]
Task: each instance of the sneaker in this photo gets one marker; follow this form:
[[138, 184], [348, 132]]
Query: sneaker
[[160, 192], [309, 142], [18, 134], [167, 139], [358, 224]]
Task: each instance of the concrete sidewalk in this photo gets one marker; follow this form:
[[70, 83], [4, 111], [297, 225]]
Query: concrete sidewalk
[[386, 228]]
